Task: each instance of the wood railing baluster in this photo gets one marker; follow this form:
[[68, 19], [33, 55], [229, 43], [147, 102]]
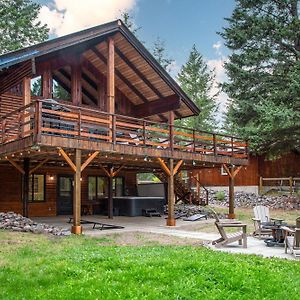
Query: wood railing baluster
[[144, 132], [38, 121], [79, 122], [215, 145], [114, 129], [232, 150]]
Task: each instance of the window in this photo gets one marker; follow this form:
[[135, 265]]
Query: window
[[37, 188], [98, 187], [223, 171]]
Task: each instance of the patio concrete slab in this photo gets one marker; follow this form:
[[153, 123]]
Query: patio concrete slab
[[157, 225]]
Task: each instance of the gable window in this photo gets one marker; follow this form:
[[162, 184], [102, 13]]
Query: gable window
[[37, 188]]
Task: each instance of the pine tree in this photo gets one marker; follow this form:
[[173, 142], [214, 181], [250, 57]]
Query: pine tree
[[127, 19], [264, 74], [19, 26], [197, 81], [159, 52]]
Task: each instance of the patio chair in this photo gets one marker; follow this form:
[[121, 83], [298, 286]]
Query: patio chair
[[228, 238], [261, 218], [292, 240]]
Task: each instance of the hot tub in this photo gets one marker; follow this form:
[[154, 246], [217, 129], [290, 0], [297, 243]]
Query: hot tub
[[133, 206]]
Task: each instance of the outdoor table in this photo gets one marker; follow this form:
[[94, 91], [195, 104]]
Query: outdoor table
[[278, 234]]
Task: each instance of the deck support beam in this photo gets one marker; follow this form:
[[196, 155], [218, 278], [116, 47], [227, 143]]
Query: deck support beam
[[232, 172], [110, 175], [77, 167], [171, 195], [170, 171], [25, 194], [76, 228], [110, 204]]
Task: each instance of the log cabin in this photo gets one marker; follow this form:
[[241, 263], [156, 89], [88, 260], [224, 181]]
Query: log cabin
[[104, 111]]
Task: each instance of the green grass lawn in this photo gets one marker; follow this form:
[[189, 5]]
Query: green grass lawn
[[39, 267]]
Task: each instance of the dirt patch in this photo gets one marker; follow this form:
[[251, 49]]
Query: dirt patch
[[145, 239]]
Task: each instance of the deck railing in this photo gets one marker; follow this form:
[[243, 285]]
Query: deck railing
[[43, 118]]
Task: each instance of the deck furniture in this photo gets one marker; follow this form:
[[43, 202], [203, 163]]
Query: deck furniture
[[98, 225], [292, 240], [277, 234], [228, 238], [262, 219]]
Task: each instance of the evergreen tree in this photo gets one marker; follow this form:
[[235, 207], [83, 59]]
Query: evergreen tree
[[19, 26], [159, 52], [264, 74], [197, 81], [128, 21]]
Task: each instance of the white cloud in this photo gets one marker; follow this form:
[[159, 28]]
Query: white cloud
[[218, 46], [67, 16], [218, 65]]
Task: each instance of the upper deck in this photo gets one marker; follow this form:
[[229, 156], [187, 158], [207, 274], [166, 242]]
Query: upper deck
[[54, 124]]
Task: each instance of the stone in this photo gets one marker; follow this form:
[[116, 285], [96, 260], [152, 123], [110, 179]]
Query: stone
[[17, 222]]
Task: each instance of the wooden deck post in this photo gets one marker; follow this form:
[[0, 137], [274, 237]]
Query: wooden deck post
[[232, 172], [260, 189], [47, 83], [111, 83], [110, 204], [111, 76], [26, 100], [25, 194], [76, 228], [171, 214], [171, 130], [231, 214], [76, 92]]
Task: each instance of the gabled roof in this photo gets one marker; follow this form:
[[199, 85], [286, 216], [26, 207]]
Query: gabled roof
[[97, 33]]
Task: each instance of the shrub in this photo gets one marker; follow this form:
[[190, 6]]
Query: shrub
[[220, 196]]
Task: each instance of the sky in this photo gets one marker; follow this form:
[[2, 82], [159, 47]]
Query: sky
[[179, 23]]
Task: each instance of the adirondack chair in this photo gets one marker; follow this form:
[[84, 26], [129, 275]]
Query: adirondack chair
[[292, 241], [261, 217], [227, 238]]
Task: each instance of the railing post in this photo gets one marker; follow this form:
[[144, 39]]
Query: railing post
[[3, 131], [194, 140], [171, 130], [38, 121], [20, 132], [215, 145], [114, 129], [79, 122], [144, 132], [232, 151]]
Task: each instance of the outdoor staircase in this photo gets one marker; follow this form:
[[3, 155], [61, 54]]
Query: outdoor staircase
[[182, 190]]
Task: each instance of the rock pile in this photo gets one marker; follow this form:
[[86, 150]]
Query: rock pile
[[17, 222], [187, 210], [242, 199]]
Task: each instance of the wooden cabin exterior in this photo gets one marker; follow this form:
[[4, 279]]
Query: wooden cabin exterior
[[260, 175], [117, 119]]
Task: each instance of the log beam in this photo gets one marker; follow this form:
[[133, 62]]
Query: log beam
[[232, 172], [25, 194], [162, 105], [13, 163], [89, 160], [76, 228], [171, 196], [67, 159], [38, 166]]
